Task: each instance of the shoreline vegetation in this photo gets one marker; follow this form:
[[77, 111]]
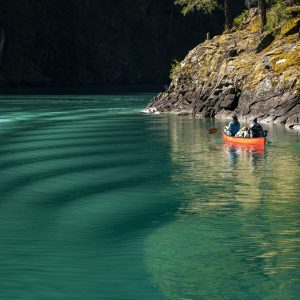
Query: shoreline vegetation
[[85, 90], [84, 42]]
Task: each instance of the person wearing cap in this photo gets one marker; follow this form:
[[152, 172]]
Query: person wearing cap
[[256, 129], [233, 126]]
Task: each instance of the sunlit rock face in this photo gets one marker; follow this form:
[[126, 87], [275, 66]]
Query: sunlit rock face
[[246, 72]]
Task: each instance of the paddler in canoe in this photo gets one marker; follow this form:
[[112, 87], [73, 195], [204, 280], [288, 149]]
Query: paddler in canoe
[[233, 127], [255, 130], [252, 135]]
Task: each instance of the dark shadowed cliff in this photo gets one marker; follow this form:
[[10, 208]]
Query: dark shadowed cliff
[[88, 42]]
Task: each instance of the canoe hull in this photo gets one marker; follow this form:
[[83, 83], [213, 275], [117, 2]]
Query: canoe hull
[[258, 142]]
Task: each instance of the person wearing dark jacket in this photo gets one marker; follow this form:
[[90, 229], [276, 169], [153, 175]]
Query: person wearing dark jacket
[[256, 129]]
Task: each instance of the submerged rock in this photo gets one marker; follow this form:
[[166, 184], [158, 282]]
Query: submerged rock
[[229, 75]]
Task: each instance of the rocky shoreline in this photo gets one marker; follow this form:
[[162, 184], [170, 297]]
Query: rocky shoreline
[[244, 71]]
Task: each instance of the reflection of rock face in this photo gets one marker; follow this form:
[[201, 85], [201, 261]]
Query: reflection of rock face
[[237, 233], [242, 72]]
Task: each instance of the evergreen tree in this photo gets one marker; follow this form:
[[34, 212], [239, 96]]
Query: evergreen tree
[[263, 13], [207, 6]]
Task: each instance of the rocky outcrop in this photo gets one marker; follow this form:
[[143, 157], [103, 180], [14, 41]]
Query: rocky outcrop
[[242, 72]]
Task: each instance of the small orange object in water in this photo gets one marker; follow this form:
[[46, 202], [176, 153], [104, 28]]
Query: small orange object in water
[[212, 130]]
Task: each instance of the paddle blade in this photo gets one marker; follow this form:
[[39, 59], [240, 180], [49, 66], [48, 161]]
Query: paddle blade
[[212, 130]]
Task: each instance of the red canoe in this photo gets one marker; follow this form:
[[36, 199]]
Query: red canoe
[[258, 142]]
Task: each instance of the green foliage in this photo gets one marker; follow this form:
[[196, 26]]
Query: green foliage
[[84, 42], [206, 6], [298, 85], [238, 21], [52, 43], [175, 69], [275, 2], [277, 16]]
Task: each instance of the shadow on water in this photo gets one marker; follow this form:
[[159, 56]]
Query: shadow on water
[[80, 191]]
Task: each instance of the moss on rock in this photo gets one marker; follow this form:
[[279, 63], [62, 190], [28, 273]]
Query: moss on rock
[[257, 81]]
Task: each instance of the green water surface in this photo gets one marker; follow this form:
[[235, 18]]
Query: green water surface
[[101, 201]]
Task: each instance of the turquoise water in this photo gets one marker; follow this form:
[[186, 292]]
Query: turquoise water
[[100, 201]]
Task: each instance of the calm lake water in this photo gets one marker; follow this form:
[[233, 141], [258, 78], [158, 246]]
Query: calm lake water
[[100, 201]]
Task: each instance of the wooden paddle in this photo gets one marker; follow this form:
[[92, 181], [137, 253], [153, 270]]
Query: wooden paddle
[[212, 130]]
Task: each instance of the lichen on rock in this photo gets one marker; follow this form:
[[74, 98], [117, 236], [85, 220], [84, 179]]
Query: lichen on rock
[[228, 74]]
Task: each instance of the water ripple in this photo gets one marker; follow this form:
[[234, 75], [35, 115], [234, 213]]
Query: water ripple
[[95, 196]]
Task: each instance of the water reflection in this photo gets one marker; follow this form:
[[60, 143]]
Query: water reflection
[[237, 232], [251, 153]]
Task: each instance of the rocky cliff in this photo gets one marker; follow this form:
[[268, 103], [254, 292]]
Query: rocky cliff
[[243, 71]]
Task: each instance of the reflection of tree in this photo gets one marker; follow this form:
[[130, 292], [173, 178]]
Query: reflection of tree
[[238, 231]]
